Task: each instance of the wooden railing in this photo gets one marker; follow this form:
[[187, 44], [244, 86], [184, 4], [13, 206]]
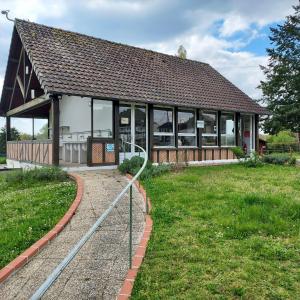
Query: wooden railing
[[36, 151]]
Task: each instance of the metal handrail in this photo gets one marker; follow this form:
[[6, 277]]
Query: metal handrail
[[65, 262]]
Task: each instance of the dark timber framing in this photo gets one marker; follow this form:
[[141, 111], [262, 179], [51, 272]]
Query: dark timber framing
[[8, 129], [116, 125], [55, 129]]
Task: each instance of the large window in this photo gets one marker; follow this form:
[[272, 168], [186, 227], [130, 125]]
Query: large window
[[163, 127], [227, 129], [102, 118], [186, 128], [209, 133]]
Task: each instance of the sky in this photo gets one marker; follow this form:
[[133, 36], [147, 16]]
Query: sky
[[231, 35]]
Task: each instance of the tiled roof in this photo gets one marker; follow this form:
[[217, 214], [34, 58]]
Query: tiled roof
[[72, 63]]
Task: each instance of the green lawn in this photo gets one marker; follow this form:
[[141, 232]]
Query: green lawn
[[28, 210], [226, 232]]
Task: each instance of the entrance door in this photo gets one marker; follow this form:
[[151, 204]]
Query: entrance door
[[246, 133], [132, 129]]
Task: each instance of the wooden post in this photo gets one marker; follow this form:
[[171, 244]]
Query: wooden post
[[256, 132], [55, 129], [199, 130], [237, 129], [150, 131], [176, 126], [8, 129], [219, 128], [116, 125]]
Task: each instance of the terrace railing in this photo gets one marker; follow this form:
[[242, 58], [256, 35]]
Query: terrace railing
[[66, 261], [33, 151]]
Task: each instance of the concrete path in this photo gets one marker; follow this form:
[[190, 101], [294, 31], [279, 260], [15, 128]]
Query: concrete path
[[98, 271]]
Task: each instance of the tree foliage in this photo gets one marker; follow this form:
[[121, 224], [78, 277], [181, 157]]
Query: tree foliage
[[282, 137], [181, 52], [281, 88], [15, 135]]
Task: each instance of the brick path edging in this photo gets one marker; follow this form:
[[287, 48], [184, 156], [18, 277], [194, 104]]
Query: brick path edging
[[126, 289], [24, 257]]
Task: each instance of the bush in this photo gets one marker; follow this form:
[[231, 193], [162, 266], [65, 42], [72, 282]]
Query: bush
[[253, 161], [279, 159], [238, 152], [38, 174], [133, 165], [2, 160]]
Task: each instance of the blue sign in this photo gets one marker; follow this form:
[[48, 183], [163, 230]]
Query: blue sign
[[110, 147]]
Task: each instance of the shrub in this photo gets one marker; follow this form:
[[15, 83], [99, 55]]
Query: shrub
[[238, 152], [253, 161], [37, 174], [133, 165], [279, 159], [2, 160]]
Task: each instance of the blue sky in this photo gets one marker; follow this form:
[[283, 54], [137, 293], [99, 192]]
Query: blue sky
[[231, 35]]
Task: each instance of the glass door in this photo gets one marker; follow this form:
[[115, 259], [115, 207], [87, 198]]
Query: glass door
[[133, 129]]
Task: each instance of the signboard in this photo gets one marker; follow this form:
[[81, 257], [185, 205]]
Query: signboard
[[109, 147], [200, 124], [124, 121]]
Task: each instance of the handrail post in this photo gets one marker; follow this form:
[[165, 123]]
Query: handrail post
[[130, 227]]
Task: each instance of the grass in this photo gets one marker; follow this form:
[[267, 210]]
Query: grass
[[2, 160], [225, 232], [31, 203]]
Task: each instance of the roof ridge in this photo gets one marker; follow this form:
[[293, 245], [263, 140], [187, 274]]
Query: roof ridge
[[112, 42]]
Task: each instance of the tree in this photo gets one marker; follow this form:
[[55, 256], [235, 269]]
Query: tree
[[43, 133], [15, 135], [282, 137], [281, 88], [181, 52]]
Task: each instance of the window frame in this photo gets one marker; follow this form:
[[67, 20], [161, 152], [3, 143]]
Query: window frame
[[211, 134], [187, 133], [157, 133], [234, 133]]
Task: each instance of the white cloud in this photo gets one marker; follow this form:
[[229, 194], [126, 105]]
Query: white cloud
[[232, 24], [125, 6], [34, 9]]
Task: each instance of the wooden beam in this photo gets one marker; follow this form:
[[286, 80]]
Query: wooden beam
[[237, 129], [15, 82], [55, 129], [150, 130], [21, 85], [256, 132], [176, 126], [219, 128], [116, 124], [27, 106], [28, 85]]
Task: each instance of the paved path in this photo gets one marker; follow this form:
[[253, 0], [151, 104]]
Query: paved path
[[98, 270]]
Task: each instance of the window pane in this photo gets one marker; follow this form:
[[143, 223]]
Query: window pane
[[186, 141], [209, 133], [227, 129], [163, 140], [210, 122], [102, 114], [163, 120], [186, 122], [209, 140]]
